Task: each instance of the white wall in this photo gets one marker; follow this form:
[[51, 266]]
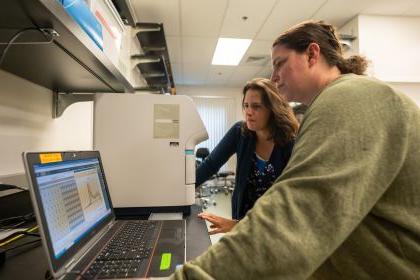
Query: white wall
[[26, 123], [391, 44], [228, 92], [410, 89]]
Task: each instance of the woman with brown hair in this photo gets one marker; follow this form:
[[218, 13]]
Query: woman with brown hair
[[347, 204], [263, 144]]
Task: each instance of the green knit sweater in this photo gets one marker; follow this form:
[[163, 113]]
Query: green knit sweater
[[347, 205]]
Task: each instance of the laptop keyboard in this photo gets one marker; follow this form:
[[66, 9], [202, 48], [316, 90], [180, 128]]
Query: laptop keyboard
[[128, 252]]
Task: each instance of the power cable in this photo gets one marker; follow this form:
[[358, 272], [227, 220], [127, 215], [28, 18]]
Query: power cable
[[14, 38]]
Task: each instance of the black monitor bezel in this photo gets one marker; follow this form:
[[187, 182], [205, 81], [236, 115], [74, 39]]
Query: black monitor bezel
[[31, 160]]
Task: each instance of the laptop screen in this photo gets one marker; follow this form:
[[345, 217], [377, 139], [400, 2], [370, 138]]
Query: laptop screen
[[73, 199]]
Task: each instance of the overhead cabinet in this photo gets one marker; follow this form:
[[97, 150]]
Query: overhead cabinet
[[53, 50]]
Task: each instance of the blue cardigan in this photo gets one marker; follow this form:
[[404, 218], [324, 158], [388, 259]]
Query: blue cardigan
[[244, 146]]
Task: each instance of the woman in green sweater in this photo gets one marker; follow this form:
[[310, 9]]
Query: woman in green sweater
[[347, 205]]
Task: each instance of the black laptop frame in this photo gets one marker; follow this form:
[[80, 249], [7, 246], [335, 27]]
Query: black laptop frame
[[34, 158]]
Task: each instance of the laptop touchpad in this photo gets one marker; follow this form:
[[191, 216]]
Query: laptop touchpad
[[170, 249]]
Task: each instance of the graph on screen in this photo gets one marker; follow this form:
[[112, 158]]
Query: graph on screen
[[91, 197]]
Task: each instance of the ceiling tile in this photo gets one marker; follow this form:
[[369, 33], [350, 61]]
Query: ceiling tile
[[192, 28], [337, 14], [265, 72], [198, 50], [216, 83], [286, 14], [413, 10], [159, 11], [195, 74], [235, 83], [245, 73], [234, 26], [219, 73], [174, 48], [202, 18], [258, 49], [387, 7]]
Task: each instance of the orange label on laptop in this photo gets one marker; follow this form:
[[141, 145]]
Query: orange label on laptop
[[53, 157]]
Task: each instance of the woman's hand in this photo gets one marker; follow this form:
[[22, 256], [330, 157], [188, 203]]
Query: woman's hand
[[218, 224]]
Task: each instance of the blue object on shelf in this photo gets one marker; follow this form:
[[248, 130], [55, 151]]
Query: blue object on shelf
[[80, 12]]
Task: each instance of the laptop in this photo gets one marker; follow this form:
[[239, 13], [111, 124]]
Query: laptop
[[79, 231]]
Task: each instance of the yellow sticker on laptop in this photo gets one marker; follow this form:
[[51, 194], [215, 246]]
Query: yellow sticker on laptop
[[51, 157], [165, 261]]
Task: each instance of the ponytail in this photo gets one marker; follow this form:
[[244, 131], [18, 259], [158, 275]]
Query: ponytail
[[354, 64]]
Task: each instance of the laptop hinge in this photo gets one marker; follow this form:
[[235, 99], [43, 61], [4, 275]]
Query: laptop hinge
[[69, 264]]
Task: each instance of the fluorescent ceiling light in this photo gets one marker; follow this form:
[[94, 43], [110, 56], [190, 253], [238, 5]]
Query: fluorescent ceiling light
[[229, 51]]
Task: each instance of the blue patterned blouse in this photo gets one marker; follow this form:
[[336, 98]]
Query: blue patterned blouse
[[259, 180]]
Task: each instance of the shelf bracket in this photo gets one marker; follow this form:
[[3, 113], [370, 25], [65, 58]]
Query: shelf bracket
[[62, 100]]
